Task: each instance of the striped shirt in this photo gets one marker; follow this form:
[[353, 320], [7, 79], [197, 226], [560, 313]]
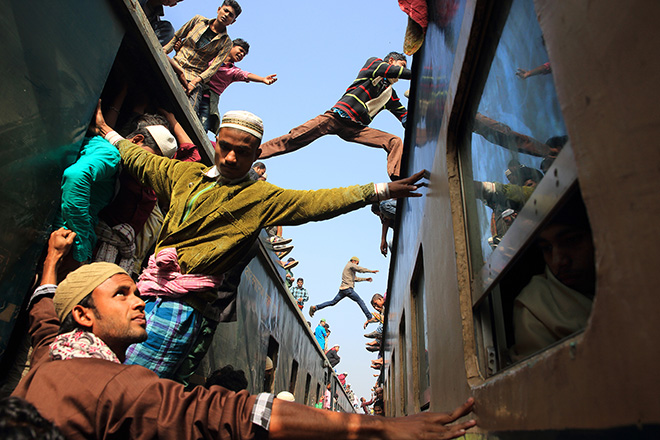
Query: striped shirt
[[375, 77], [195, 61]]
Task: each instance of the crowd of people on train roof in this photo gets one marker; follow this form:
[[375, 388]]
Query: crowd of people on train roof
[[112, 357]]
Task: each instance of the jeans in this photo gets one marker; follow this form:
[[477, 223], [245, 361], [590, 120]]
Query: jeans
[[352, 294]]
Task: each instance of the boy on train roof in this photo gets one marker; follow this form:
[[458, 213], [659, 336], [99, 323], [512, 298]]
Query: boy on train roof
[[205, 45], [77, 379], [227, 73], [215, 215]]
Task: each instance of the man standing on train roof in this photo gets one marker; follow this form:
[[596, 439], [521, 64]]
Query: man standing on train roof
[[348, 279], [80, 331], [350, 117], [215, 215]]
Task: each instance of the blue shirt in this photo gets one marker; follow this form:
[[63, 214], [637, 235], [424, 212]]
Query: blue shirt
[[320, 334]]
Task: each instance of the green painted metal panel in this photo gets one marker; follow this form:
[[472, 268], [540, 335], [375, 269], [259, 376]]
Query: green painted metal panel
[[57, 56]]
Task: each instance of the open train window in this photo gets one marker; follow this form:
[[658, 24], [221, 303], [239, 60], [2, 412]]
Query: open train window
[[420, 335], [517, 169], [294, 377], [308, 382], [403, 378], [271, 365]]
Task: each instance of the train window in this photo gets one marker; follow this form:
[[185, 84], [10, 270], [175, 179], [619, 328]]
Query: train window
[[318, 393], [271, 365], [308, 383], [546, 294], [420, 335], [517, 169], [294, 377], [404, 365]]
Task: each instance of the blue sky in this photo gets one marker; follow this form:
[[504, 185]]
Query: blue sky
[[317, 49]]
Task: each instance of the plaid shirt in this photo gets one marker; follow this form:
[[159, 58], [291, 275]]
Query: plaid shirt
[[300, 294], [374, 78], [195, 61]]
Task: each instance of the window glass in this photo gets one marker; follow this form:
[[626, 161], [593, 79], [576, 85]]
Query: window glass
[[516, 134]]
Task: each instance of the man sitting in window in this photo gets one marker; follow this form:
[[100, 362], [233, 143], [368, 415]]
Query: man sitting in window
[[558, 302]]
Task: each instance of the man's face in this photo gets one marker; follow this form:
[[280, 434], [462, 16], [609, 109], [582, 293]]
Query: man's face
[[226, 15], [569, 253], [260, 171], [235, 152], [355, 261], [118, 314], [402, 63], [380, 302], [236, 54], [300, 283], [378, 410]]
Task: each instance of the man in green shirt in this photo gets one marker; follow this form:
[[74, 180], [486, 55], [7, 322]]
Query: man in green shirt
[[215, 215]]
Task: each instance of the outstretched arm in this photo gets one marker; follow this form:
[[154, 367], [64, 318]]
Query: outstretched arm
[[295, 421], [268, 80]]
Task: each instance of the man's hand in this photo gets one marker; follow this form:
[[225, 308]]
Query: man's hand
[[373, 271], [383, 247], [407, 187], [432, 425], [59, 243], [192, 85], [522, 73], [101, 128], [369, 279], [270, 79]]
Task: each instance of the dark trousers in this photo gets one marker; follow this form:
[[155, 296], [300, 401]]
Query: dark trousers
[[352, 294]]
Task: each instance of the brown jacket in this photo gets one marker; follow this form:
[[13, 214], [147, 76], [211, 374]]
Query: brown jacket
[[94, 398]]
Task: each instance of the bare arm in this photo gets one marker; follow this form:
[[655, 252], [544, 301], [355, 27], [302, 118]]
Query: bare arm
[[179, 133], [59, 245], [294, 421], [268, 80]]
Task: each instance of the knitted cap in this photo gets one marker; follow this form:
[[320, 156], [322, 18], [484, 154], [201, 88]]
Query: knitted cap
[[285, 395], [355, 259], [164, 139], [245, 121], [80, 283]]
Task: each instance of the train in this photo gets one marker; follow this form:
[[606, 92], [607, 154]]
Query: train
[[530, 116], [54, 76]]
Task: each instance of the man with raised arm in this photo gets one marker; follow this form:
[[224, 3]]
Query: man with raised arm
[[77, 379], [350, 117], [215, 215], [348, 279]]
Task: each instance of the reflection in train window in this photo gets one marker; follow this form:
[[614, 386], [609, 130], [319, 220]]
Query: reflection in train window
[[547, 294], [517, 170], [294, 377], [516, 134], [420, 337]]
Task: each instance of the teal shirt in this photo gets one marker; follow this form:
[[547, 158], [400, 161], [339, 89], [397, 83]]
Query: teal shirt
[[87, 187]]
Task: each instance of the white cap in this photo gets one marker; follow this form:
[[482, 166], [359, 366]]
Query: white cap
[[245, 121], [285, 395], [164, 139]]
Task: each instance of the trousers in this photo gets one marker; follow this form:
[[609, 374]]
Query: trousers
[[350, 293], [350, 131]]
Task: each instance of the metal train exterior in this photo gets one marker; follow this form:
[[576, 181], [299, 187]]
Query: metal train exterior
[[60, 56], [453, 278]]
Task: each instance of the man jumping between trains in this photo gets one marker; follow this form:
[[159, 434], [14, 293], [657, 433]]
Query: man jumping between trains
[[215, 215], [350, 117], [348, 279]]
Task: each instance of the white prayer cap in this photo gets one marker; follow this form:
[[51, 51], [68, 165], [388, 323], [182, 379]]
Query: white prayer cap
[[242, 120], [164, 139], [285, 395]]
